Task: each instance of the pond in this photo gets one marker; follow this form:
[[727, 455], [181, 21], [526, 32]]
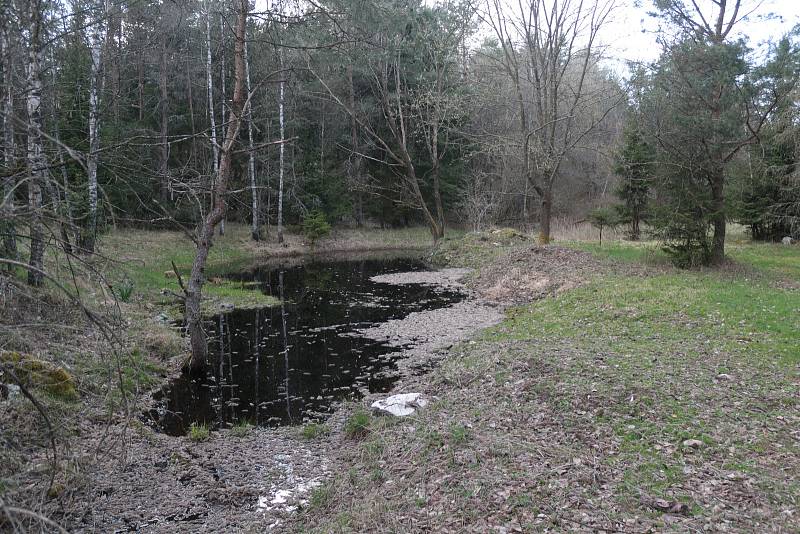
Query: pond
[[290, 363]]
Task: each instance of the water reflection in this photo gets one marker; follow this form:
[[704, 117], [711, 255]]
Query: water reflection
[[289, 363]]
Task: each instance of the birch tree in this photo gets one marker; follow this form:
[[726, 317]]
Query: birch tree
[[210, 90], [255, 227], [96, 38], [282, 148], [9, 244], [37, 165]]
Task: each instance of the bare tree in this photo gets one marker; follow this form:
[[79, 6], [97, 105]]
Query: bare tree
[[550, 49], [194, 287]]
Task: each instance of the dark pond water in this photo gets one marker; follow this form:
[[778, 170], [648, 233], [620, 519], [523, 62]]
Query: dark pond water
[[289, 363]]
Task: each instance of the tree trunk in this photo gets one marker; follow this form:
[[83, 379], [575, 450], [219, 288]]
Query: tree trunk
[[210, 88], [718, 218], [281, 153], [635, 230], [190, 95], [222, 87], [194, 319], [433, 225], [140, 75], [7, 227], [112, 19], [163, 171], [255, 228], [94, 137], [544, 217], [65, 206], [35, 156], [355, 166], [437, 201]]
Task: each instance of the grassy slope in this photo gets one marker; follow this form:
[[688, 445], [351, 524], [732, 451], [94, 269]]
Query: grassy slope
[[573, 412]]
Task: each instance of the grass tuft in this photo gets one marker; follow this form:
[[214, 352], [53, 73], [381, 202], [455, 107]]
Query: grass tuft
[[199, 433], [357, 425]]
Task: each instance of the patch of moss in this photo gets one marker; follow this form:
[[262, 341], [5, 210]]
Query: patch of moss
[[40, 374]]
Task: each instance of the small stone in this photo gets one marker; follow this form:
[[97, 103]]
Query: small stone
[[693, 443]]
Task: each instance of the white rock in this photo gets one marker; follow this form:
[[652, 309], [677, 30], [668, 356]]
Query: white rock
[[400, 405]]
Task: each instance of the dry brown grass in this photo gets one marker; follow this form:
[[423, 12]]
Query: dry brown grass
[[566, 229]]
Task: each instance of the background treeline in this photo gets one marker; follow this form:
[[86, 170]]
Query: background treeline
[[390, 113]]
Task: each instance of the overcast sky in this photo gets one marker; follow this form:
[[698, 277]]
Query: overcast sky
[[629, 42]]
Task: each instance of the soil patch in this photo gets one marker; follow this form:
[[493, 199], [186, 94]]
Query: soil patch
[[534, 272]]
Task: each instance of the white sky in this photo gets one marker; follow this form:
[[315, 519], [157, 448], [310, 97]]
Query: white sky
[[632, 37]]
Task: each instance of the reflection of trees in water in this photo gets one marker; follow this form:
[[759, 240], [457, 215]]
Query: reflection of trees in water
[[285, 346], [256, 364], [318, 363]]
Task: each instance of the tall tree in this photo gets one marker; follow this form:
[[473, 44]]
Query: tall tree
[[210, 90], [7, 228], [37, 164], [194, 288], [96, 38], [708, 102], [282, 148], [634, 165], [255, 227], [551, 54]]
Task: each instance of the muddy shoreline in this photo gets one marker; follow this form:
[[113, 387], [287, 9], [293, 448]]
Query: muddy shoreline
[[256, 480]]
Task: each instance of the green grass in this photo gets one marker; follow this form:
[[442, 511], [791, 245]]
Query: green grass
[[771, 258], [145, 260], [242, 428], [357, 425], [665, 337], [646, 314], [314, 431], [642, 251], [199, 433]]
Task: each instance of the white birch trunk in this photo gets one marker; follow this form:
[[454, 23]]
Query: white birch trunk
[[255, 230], [210, 87], [282, 150], [222, 87], [96, 46], [35, 155], [7, 205]]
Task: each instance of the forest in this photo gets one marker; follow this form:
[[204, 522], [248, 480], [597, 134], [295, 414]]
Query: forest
[[229, 227]]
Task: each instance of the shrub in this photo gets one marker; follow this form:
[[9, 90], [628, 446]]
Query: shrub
[[314, 430], [199, 432], [315, 226], [241, 428], [604, 218]]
